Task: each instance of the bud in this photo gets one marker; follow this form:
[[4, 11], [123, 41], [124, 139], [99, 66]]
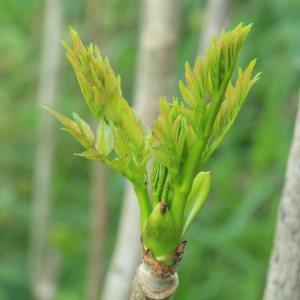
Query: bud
[[160, 233]]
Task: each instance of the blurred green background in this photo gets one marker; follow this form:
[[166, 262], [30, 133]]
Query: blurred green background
[[230, 242]]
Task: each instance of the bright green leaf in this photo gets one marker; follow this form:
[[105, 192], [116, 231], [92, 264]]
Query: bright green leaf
[[91, 154], [197, 196]]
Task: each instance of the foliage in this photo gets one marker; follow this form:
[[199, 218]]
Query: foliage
[[229, 242], [182, 140]]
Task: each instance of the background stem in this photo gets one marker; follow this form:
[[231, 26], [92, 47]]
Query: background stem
[[284, 276], [98, 175], [45, 263]]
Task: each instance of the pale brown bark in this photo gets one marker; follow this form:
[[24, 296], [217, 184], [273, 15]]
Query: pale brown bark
[[44, 265], [216, 18], [147, 287], [154, 79], [156, 61], [283, 281], [154, 280], [98, 230], [98, 184]]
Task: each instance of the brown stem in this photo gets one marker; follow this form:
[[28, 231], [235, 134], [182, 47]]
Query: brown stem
[[147, 286], [153, 280]]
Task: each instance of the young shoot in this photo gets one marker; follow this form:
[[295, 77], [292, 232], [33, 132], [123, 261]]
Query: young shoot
[[183, 137]]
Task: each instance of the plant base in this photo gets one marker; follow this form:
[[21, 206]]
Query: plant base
[[154, 280]]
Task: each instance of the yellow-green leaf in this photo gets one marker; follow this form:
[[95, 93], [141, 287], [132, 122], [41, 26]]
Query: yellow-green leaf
[[85, 129], [121, 164], [91, 154], [104, 138], [71, 126], [197, 197], [189, 115], [189, 97], [120, 143]]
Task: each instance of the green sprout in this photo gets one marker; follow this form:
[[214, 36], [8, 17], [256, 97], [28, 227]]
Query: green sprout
[[183, 138]]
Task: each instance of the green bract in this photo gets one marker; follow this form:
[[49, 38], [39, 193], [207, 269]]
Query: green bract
[[181, 141]]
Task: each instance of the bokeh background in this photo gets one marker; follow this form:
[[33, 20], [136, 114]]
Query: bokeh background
[[230, 242]]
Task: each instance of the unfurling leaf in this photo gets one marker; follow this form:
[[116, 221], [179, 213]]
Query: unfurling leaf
[[158, 176], [84, 128], [85, 136], [188, 95], [104, 138], [132, 128], [91, 154], [189, 115], [181, 141], [99, 85], [121, 145], [234, 100], [121, 165], [197, 196]]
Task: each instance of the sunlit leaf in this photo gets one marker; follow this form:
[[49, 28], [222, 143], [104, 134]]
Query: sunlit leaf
[[104, 138], [91, 154], [132, 129], [197, 196], [85, 129], [121, 165], [72, 127], [189, 97], [120, 143]]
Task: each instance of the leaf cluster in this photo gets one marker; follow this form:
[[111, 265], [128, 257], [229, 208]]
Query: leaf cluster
[[121, 140], [183, 137]]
